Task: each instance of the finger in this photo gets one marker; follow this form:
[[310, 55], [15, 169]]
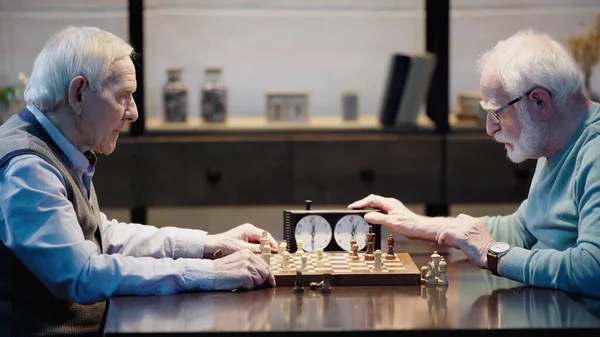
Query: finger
[[372, 200], [439, 232], [447, 237], [377, 218], [265, 274], [272, 241], [253, 247]]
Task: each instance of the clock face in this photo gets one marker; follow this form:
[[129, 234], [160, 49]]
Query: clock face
[[314, 232], [351, 227]]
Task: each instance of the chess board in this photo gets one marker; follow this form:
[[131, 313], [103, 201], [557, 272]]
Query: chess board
[[345, 272]]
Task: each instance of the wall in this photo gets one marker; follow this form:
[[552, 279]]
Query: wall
[[322, 47]]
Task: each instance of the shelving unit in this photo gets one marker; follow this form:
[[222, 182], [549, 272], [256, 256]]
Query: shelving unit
[[328, 159]]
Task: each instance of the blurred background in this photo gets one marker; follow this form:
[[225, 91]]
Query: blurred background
[[252, 107]]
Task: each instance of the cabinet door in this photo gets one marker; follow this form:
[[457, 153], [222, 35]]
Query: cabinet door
[[407, 168], [114, 177], [214, 173], [479, 171]]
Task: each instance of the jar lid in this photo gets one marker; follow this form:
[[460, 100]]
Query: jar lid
[[211, 70], [175, 69]]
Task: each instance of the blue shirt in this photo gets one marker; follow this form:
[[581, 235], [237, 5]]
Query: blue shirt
[[36, 218], [556, 230]]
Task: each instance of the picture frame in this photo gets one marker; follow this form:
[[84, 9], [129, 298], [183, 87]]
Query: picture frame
[[288, 106]]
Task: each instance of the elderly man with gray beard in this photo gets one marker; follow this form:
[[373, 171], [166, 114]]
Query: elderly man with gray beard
[[61, 257], [532, 90]]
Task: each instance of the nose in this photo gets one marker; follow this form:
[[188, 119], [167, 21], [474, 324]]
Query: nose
[[131, 112], [491, 124]]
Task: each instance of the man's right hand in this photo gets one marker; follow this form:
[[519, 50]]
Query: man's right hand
[[242, 270], [394, 215]]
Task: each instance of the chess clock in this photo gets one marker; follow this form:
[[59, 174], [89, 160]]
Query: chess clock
[[328, 229]]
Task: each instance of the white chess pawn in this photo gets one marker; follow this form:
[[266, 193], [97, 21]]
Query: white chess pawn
[[264, 240], [304, 259], [442, 280], [300, 244], [377, 263], [266, 254], [282, 247], [320, 254], [286, 260]]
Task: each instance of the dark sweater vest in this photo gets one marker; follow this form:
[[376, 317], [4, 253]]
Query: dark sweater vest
[[27, 308]]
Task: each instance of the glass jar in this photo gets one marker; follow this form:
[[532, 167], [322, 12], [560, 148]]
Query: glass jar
[[175, 95], [213, 97]]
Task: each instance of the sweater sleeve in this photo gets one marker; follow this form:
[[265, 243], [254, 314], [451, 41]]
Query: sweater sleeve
[[576, 269], [511, 228]]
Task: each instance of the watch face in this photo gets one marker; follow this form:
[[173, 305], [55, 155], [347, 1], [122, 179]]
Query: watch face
[[499, 247]]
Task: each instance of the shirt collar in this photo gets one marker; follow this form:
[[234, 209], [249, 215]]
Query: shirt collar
[[81, 161]]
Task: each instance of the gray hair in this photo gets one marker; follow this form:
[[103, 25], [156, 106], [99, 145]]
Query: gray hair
[[528, 59], [73, 51]]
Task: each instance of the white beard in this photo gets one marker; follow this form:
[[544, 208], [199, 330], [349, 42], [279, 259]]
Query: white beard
[[528, 144]]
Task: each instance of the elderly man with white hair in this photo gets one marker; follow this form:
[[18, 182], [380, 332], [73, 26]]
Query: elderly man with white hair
[[532, 90], [61, 257]]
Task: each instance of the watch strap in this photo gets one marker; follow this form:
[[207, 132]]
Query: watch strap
[[492, 262]]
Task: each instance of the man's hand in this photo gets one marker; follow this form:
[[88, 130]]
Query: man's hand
[[393, 214], [245, 236], [468, 234], [241, 269]]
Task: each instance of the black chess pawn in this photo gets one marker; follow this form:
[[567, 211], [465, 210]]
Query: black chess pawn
[[326, 287], [298, 288], [390, 253]]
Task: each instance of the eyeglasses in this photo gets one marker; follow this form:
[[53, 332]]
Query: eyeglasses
[[507, 105]]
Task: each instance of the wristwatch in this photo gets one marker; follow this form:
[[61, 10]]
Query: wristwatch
[[495, 251]]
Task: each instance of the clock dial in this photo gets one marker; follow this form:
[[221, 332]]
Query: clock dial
[[314, 231], [351, 227]]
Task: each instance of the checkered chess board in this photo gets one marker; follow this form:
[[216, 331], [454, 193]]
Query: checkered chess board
[[345, 272]]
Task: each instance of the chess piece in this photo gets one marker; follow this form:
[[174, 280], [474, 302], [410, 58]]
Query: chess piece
[[264, 240], [300, 244], [430, 276], [377, 258], [390, 253], [442, 280], [282, 247], [316, 285], [266, 254], [355, 257], [326, 287], [285, 261], [304, 259], [370, 244], [320, 254], [352, 243], [298, 288], [435, 258], [423, 273]]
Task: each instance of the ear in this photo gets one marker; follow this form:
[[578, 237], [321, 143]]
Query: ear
[[76, 88], [542, 103]]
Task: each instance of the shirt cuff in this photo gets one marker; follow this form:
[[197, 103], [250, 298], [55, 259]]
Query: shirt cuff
[[199, 275], [189, 244], [512, 265]]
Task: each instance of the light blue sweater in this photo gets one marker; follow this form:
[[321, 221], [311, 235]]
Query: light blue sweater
[[556, 230]]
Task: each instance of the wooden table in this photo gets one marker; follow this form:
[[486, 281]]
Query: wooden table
[[473, 303]]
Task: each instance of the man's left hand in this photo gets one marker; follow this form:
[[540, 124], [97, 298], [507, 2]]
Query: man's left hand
[[469, 235], [246, 236]]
